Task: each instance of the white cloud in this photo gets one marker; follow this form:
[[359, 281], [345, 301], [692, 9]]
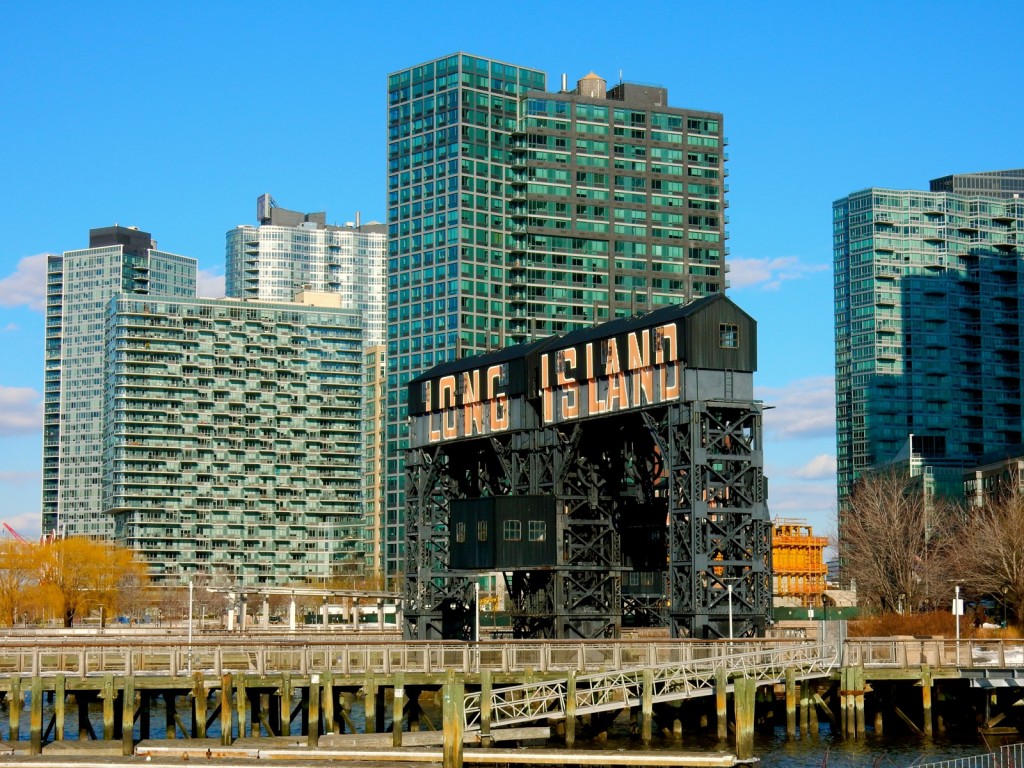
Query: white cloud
[[812, 502], [21, 411], [26, 285], [804, 408], [209, 285], [769, 273], [19, 478], [821, 467], [9, 328]]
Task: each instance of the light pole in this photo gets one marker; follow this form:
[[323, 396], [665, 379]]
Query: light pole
[[957, 610], [1005, 589], [728, 590], [476, 610], [190, 595]]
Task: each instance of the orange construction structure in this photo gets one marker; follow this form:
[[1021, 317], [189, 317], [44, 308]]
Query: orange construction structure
[[798, 561]]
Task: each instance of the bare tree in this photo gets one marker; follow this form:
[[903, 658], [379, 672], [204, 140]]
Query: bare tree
[[896, 543], [991, 553]]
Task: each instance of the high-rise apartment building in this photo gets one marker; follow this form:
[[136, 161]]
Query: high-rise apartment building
[[929, 288], [233, 437], [291, 250], [514, 212], [374, 516], [80, 284], [616, 205]]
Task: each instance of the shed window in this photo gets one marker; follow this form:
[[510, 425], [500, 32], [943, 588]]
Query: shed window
[[481, 530], [460, 533], [513, 530], [729, 335], [536, 530]]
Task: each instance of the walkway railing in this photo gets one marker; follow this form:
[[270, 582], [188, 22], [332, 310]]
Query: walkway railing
[[903, 653], [360, 658], [602, 691], [173, 656], [1010, 756]]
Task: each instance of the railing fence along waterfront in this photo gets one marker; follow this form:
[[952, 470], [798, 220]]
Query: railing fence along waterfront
[[264, 655], [1009, 756], [82, 659], [904, 652]]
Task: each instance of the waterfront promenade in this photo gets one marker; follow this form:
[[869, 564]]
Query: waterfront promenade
[[344, 692]]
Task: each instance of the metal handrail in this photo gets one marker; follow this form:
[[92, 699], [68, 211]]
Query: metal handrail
[[904, 653], [601, 691], [236, 655]]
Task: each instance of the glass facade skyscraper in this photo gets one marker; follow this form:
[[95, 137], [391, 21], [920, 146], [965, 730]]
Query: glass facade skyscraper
[[514, 212], [290, 250], [449, 128], [79, 286], [929, 288], [616, 205]]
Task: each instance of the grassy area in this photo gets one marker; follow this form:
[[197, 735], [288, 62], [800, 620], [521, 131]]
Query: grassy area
[[930, 623]]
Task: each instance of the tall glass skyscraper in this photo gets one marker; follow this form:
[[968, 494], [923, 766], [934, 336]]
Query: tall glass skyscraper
[[514, 212], [929, 293], [289, 250], [79, 286]]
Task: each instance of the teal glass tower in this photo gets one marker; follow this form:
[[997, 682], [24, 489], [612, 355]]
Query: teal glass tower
[[516, 213], [450, 123], [929, 288]]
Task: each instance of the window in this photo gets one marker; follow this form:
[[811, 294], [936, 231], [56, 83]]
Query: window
[[513, 530], [536, 530], [481, 530], [729, 335], [460, 533]]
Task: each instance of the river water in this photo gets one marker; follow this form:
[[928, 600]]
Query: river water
[[771, 748]]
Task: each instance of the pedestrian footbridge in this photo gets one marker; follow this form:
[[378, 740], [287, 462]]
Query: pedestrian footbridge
[[580, 694]]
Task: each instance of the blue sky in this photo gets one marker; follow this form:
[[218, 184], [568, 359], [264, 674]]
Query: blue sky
[[173, 117]]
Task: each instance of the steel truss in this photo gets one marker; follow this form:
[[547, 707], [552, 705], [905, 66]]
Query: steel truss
[[695, 466]]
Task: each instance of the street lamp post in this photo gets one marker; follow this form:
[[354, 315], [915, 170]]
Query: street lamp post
[[190, 595], [728, 589], [1005, 589], [476, 610], [957, 610]]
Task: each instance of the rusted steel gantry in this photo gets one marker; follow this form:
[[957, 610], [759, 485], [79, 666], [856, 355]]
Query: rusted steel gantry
[[614, 475]]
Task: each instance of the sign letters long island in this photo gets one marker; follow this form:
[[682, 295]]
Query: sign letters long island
[[618, 373], [596, 377]]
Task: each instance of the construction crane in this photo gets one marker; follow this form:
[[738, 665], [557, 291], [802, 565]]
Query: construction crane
[[15, 534]]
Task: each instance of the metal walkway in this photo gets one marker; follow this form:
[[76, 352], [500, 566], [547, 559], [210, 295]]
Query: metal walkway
[[604, 691]]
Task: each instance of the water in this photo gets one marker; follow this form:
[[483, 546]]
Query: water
[[772, 749]]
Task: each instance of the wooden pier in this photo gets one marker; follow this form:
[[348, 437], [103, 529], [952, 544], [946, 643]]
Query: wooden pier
[[330, 695]]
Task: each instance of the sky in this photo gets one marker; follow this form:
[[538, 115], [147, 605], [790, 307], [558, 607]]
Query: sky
[[174, 117]]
